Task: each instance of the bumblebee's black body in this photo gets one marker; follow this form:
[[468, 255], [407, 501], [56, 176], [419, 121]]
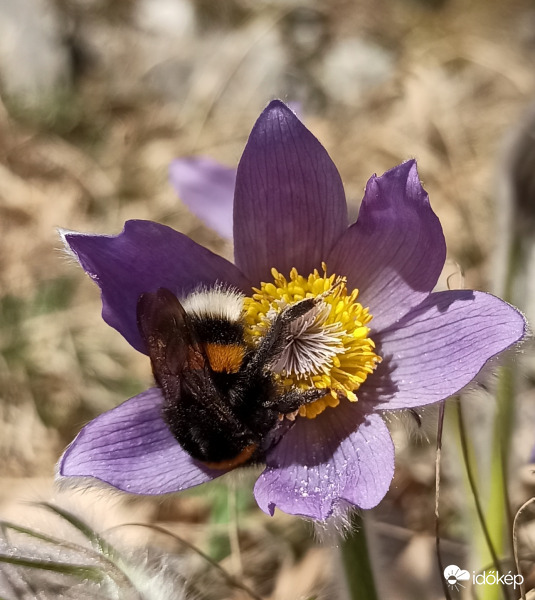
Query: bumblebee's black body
[[221, 400]]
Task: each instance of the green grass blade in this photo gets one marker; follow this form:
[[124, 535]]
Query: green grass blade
[[81, 571]]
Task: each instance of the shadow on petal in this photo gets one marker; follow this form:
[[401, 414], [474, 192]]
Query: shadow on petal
[[395, 251], [342, 456], [439, 348]]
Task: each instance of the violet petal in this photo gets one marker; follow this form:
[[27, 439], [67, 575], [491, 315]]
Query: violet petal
[[439, 347], [322, 464], [289, 206], [395, 251], [131, 448], [207, 189], [143, 258]]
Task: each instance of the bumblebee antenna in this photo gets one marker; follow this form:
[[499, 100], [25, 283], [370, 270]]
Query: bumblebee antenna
[[338, 282]]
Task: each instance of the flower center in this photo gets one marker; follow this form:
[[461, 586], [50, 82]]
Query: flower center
[[328, 347]]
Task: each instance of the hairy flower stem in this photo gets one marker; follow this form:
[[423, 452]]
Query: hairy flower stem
[[440, 430], [512, 287], [498, 512], [357, 563], [486, 541]]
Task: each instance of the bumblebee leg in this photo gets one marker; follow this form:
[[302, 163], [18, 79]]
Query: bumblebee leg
[[276, 338], [294, 311], [293, 399]]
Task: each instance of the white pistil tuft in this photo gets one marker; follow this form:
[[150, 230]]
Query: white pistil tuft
[[328, 348], [312, 344]]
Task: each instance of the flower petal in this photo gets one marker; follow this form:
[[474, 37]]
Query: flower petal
[[439, 347], [395, 251], [131, 448], [207, 188], [289, 206], [322, 464], [143, 258]]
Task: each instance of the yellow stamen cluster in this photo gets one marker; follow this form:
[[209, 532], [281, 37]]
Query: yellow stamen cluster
[[337, 335]]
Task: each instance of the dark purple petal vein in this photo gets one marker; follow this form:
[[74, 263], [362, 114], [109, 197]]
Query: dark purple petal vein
[[395, 251], [289, 206], [439, 347], [131, 448], [143, 258]]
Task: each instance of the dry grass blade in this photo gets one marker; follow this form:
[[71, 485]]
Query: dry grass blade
[[515, 544]]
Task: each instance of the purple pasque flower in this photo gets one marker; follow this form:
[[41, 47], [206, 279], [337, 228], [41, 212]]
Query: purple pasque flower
[[290, 222]]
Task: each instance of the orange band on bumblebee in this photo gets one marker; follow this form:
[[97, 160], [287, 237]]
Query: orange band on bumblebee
[[242, 457], [225, 358]]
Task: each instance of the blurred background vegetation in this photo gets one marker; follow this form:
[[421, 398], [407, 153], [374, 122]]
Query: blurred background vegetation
[[98, 96]]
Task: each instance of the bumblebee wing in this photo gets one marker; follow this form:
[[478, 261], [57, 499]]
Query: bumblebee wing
[[171, 340], [196, 410]]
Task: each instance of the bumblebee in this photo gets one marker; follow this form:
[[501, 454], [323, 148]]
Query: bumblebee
[[221, 400]]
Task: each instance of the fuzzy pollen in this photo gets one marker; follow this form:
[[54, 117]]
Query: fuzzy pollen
[[328, 347]]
